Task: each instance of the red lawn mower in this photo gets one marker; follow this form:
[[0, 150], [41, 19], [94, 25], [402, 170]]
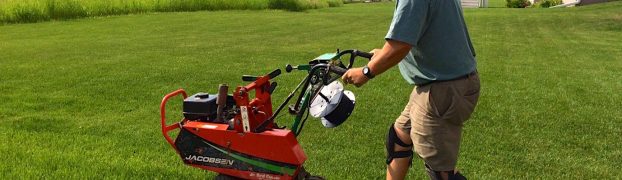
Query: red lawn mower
[[237, 136]]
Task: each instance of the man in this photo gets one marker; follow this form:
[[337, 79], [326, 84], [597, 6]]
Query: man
[[430, 41]]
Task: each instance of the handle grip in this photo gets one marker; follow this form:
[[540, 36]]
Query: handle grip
[[363, 54], [337, 69], [334, 69], [273, 74], [249, 78]]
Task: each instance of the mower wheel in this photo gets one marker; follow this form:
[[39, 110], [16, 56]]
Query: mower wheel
[[304, 175]]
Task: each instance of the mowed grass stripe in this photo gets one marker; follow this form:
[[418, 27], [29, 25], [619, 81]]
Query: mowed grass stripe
[[81, 97], [559, 76]]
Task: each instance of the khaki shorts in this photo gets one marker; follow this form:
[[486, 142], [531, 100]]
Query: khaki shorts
[[434, 117]]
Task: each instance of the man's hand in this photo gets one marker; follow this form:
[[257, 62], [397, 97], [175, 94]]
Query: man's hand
[[355, 76], [375, 51], [392, 53]]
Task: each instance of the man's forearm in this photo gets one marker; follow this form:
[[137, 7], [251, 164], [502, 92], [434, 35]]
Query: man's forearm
[[392, 53]]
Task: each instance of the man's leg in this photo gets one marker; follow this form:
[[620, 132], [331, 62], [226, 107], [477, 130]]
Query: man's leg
[[437, 124], [398, 167], [444, 175], [399, 144]]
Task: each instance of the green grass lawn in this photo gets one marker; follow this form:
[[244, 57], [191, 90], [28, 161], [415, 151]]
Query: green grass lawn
[[79, 99]]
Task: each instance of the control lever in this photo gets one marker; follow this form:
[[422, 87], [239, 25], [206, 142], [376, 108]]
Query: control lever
[[272, 87], [289, 68], [221, 101], [272, 74], [249, 78]]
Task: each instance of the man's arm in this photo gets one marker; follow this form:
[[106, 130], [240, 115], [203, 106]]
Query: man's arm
[[391, 54]]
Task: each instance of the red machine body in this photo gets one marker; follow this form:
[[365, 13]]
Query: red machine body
[[238, 151], [235, 135], [252, 113]]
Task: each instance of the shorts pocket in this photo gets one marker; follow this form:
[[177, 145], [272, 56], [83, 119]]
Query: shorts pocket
[[442, 101]]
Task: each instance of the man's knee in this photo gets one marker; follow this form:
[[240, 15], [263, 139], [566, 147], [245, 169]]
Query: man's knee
[[403, 137], [396, 147]]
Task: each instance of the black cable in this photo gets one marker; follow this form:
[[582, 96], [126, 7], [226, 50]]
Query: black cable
[[302, 124]]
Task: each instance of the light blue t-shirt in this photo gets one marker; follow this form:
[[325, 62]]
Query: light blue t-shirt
[[441, 46]]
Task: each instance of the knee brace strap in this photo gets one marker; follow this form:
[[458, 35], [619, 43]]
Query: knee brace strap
[[393, 139], [436, 175]]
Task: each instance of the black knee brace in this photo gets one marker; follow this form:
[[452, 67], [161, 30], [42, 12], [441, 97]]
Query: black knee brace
[[436, 175], [393, 139]]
